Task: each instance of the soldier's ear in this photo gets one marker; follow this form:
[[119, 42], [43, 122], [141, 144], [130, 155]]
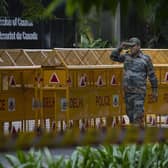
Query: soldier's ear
[[138, 46]]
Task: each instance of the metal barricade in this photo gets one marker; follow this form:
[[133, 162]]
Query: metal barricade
[[59, 88]]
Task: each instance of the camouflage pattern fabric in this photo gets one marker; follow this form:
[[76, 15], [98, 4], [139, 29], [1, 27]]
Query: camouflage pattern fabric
[[136, 70], [134, 107]]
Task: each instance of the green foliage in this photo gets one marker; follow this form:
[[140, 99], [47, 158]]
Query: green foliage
[[85, 32], [155, 14], [110, 5], [1, 165], [86, 42], [111, 156], [24, 160], [3, 8], [51, 7], [152, 12], [33, 10], [53, 161]]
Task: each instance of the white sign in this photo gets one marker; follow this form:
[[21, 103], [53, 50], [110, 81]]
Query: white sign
[[35, 103], [18, 36], [63, 104], [115, 100], [11, 104], [14, 29], [12, 22]]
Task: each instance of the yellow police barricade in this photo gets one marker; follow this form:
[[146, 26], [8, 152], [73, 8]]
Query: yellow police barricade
[[94, 87], [61, 88], [19, 91], [31, 93], [97, 93], [158, 108], [156, 111], [55, 95]]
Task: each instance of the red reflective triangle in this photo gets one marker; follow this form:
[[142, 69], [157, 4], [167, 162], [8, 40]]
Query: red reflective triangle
[[54, 78], [85, 78], [113, 80], [166, 120], [82, 81], [123, 120], [69, 81], [166, 76], [100, 81], [12, 81], [150, 119]]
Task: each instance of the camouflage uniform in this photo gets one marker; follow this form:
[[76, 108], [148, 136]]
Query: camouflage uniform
[[136, 70]]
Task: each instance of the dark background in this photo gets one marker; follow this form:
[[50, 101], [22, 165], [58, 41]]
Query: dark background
[[59, 32]]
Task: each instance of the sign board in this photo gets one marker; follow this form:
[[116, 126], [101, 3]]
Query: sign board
[[63, 104], [11, 104], [17, 32], [115, 100]]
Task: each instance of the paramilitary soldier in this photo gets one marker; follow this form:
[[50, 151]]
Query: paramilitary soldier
[[137, 67]]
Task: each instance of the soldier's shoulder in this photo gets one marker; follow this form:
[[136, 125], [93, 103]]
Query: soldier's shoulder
[[145, 57]]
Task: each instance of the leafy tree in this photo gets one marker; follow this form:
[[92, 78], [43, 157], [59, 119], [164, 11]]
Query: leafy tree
[[32, 10], [153, 12], [3, 8]]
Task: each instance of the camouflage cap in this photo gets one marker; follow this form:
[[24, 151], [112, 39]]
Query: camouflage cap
[[133, 41]]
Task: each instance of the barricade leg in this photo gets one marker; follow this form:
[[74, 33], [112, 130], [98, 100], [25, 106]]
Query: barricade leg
[[109, 121], [22, 126], [145, 119], [160, 122], [88, 123], [10, 127], [61, 125], [76, 123], [53, 125], [1, 126]]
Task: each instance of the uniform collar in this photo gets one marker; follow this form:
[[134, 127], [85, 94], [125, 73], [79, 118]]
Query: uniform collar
[[139, 54]]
